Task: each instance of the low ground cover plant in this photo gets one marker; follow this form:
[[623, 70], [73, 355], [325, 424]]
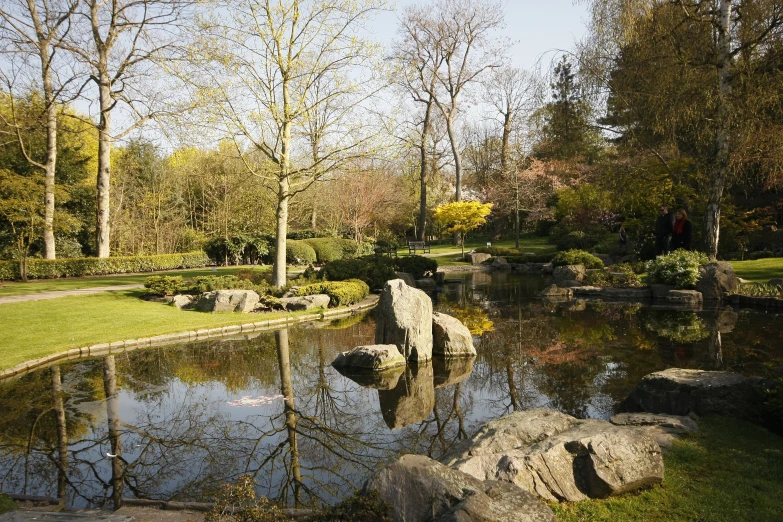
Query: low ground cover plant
[[375, 270], [760, 290], [577, 257], [679, 268]]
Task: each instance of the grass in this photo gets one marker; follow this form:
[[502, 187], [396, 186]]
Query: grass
[[34, 329], [760, 270], [730, 470], [6, 504], [75, 283]]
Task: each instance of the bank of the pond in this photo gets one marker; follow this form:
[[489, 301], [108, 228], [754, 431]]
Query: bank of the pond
[[729, 470], [37, 333]]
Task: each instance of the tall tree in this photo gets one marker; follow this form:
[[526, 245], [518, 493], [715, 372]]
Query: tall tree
[[36, 28], [268, 83]]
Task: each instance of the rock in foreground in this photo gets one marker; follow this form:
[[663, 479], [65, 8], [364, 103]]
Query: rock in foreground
[[716, 279], [451, 338], [561, 458], [422, 490], [228, 301], [375, 357], [307, 302], [663, 428], [404, 319]]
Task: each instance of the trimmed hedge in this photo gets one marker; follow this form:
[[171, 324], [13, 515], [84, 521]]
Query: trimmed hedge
[[164, 285], [299, 252], [170, 285], [374, 272], [418, 266], [38, 268], [341, 293], [326, 248], [577, 257]]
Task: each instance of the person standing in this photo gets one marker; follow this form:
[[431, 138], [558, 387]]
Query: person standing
[[681, 230], [663, 231]]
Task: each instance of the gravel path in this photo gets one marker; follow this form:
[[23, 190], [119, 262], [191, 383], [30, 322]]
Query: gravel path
[[65, 293]]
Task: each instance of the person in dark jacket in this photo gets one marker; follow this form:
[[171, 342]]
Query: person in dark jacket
[[663, 231], [681, 231]]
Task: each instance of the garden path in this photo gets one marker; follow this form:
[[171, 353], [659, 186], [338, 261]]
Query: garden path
[[65, 293]]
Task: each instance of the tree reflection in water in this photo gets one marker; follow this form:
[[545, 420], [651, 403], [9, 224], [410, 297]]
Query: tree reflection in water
[[163, 414]]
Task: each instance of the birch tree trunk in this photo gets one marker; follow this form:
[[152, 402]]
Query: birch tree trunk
[[51, 151], [102, 231], [423, 171]]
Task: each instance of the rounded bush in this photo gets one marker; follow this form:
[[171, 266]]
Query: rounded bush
[[577, 257], [418, 266], [341, 293], [164, 285], [326, 248], [299, 253], [679, 268], [374, 271]]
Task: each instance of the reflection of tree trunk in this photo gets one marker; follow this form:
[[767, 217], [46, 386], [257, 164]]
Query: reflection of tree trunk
[[284, 361], [461, 433], [62, 435], [512, 389], [113, 419], [716, 350]]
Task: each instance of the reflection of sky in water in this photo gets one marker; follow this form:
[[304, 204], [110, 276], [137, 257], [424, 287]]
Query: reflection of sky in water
[[180, 438]]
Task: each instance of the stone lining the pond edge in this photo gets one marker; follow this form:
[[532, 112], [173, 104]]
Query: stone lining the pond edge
[[176, 338]]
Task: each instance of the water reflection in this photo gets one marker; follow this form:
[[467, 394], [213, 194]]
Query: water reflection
[[157, 423]]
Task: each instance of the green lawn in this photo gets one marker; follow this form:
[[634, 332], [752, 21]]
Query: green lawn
[[729, 471], [34, 329], [760, 270], [53, 285]]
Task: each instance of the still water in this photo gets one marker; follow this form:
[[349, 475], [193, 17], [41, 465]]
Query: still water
[[176, 423]]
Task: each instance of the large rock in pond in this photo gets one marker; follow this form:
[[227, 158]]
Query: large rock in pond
[[419, 489], [411, 400], [476, 258], [404, 319], [684, 297], [678, 391], [561, 458], [500, 263], [716, 279], [228, 301], [450, 337], [452, 370], [663, 428], [376, 357], [569, 273], [306, 302], [557, 292]]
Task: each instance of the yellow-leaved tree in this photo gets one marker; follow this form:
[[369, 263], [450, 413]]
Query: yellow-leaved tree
[[463, 216]]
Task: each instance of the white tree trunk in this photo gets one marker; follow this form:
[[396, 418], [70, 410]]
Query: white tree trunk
[[104, 167], [51, 152]]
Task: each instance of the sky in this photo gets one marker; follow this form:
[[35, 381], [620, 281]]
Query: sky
[[535, 27]]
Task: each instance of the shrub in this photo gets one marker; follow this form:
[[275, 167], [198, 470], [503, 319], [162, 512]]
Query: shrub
[[373, 270], [417, 266], [621, 276], [299, 252], [352, 248], [164, 285], [498, 251], [203, 284], [340, 293], [326, 248], [54, 268], [680, 268], [577, 257], [530, 258]]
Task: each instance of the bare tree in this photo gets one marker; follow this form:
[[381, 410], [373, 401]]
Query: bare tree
[[121, 43], [35, 28], [268, 68]]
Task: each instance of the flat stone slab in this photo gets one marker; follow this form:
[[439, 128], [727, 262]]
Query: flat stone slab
[[663, 428], [375, 357], [63, 516]]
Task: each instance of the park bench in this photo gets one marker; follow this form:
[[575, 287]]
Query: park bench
[[413, 246]]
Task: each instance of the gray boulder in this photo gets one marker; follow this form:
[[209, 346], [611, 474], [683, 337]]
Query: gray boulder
[[569, 273], [678, 391], [425, 283], [555, 291], [307, 302], [476, 258], [663, 428], [547, 268], [569, 283], [572, 459], [183, 302], [228, 301], [627, 293], [408, 278], [521, 267], [588, 291], [411, 400], [661, 291], [684, 297], [450, 337], [716, 279], [500, 263], [378, 380], [404, 319], [373, 357], [451, 370], [419, 489]]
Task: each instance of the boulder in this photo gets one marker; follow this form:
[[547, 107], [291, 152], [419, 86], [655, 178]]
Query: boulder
[[411, 400], [716, 279], [627, 293], [555, 291], [452, 370], [684, 297], [450, 337], [228, 301], [678, 391], [500, 263], [408, 278], [588, 291], [419, 489], [183, 302], [307, 302], [373, 357], [521, 267], [561, 458], [378, 380], [404, 319], [569, 283], [476, 258], [663, 428], [775, 282], [569, 273], [547, 268], [661, 291], [425, 283]]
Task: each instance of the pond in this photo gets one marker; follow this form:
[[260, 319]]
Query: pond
[[176, 423]]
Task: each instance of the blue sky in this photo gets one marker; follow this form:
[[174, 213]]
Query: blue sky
[[535, 26]]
